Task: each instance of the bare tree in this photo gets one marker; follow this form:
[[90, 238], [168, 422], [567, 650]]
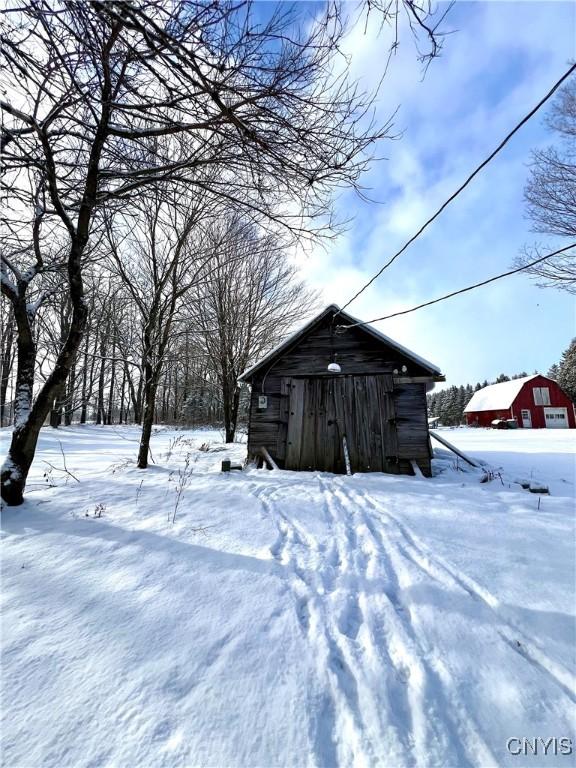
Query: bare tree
[[92, 83], [248, 301], [551, 194], [158, 258]]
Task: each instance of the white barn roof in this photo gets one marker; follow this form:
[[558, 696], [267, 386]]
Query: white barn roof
[[497, 396]]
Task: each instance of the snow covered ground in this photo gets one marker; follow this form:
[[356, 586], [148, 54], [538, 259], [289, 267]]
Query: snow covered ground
[[313, 620]]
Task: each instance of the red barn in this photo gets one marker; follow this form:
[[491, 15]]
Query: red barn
[[534, 401]]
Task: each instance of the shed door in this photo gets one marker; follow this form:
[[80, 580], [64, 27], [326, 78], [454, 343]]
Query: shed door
[[312, 437], [526, 419], [323, 410]]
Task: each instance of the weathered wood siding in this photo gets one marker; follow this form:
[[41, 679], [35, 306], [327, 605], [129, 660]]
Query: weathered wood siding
[[412, 425], [386, 419], [264, 426], [322, 411], [396, 430], [357, 352]]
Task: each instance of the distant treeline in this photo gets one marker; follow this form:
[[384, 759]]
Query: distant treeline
[[448, 404]]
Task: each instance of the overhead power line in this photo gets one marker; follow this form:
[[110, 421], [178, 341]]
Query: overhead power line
[[463, 186], [461, 290]]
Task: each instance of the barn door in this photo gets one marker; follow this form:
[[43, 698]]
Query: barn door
[[312, 435], [366, 415], [324, 410]]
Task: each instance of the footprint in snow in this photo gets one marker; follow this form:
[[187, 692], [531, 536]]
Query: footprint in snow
[[351, 619], [403, 674], [303, 612]]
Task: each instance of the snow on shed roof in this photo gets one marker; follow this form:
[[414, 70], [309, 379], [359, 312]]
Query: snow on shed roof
[[347, 319], [497, 396]]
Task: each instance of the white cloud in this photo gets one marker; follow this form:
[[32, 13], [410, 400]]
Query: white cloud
[[498, 64]]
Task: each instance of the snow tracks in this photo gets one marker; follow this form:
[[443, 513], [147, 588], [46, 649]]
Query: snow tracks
[[384, 695]]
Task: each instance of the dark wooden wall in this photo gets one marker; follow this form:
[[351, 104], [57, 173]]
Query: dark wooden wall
[[359, 355], [357, 352]]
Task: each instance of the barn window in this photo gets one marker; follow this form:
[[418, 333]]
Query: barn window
[[541, 396]]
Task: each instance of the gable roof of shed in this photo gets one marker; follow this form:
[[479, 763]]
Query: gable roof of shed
[[497, 396], [294, 338]]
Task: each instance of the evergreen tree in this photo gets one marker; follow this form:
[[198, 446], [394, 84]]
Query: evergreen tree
[[453, 408], [502, 378], [567, 371], [461, 403], [447, 406], [553, 372], [440, 406]]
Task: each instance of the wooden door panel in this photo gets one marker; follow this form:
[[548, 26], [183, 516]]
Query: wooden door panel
[[320, 426], [295, 419], [327, 432], [374, 426], [307, 446], [332, 440], [323, 410], [350, 420], [340, 408], [387, 412]]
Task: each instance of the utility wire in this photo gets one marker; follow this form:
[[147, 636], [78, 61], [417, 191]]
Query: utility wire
[[465, 184], [461, 290]]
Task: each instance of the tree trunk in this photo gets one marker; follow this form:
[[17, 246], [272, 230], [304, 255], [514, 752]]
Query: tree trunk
[[133, 396], [121, 417], [147, 422], [60, 394], [100, 412], [138, 413], [85, 394], [8, 341], [56, 410], [69, 407], [112, 383], [17, 464], [231, 405], [28, 418]]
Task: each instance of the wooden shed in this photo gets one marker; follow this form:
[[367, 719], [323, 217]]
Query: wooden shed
[[373, 409]]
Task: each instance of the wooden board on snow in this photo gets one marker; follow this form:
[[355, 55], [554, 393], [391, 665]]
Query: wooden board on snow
[[455, 450]]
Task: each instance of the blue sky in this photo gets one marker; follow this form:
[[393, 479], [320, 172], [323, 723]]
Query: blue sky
[[499, 62]]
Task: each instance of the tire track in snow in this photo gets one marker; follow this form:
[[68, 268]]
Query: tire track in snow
[[388, 697], [349, 632], [337, 733], [436, 710], [392, 704], [436, 568], [384, 643], [386, 708], [340, 553], [362, 643]]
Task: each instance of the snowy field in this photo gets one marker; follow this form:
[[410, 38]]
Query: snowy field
[[287, 619]]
